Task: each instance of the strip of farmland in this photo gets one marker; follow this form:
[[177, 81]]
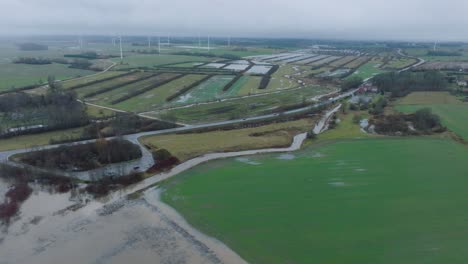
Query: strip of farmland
[[158, 96], [109, 97], [291, 56], [84, 82], [343, 61], [324, 62], [188, 88], [117, 86], [111, 83], [316, 58], [206, 91], [305, 57], [143, 90]]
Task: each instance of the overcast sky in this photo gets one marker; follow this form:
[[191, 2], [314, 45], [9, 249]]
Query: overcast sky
[[343, 19]]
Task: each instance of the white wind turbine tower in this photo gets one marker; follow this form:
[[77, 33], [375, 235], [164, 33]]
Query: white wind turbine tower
[[149, 42], [121, 52], [435, 45], [80, 42], [159, 45], [208, 43], [199, 40]]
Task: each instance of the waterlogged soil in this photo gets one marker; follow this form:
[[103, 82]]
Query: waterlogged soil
[[121, 231]]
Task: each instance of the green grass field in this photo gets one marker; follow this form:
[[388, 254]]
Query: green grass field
[[332, 204], [18, 75], [157, 97], [209, 90], [453, 113]]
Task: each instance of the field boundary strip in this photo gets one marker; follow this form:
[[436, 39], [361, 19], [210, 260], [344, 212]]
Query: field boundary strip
[[146, 89], [188, 88], [117, 86]]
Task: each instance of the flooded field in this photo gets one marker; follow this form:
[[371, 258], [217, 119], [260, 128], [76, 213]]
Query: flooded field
[[119, 231]]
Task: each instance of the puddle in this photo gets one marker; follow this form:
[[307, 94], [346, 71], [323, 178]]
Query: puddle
[[248, 161], [286, 157]]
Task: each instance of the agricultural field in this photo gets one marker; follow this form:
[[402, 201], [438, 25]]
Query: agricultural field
[[135, 61], [244, 107], [400, 63], [325, 61], [357, 62], [187, 64], [109, 97], [367, 70], [310, 60], [90, 78], [250, 86], [342, 61], [157, 96], [211, 89], [104, 86], [187, 146], [259, 69], [452, 112], [18, 75], [241, 51], [214, 65], [422, 53], [282, 78], [455, 66], [328, 205], [236, 67]]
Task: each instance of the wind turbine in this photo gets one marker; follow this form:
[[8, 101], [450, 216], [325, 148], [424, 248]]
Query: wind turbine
[[121, 52], [149, 42], [208, 43], [435, 45], [159, 45]]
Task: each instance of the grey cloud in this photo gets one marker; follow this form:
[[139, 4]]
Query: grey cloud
[[359, 19]]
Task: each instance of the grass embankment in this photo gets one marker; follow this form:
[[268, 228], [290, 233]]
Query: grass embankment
[[359, 201], [187, 146], [452, 112]]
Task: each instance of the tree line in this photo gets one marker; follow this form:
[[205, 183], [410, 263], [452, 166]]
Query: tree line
[[401, 84]]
